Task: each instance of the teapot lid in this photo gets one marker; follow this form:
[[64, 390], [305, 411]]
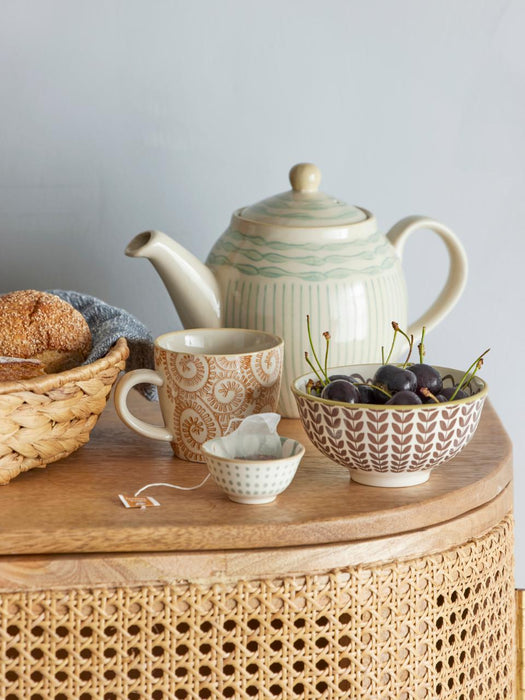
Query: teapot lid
[[303, 205]]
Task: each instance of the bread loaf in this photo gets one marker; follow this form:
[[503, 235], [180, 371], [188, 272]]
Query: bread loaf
[[41, 326]]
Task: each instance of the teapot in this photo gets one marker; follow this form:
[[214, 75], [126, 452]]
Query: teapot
[[299, 253]]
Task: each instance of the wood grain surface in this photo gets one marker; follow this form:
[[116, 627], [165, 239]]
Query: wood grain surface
[[67, 571], [72, 506]]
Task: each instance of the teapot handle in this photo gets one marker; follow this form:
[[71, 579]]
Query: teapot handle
[[457, 274]]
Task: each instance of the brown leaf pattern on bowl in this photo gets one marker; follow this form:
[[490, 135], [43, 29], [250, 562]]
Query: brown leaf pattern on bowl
[[401, 434], [376, 424], [355, 447], [426, 423], [389, 441]]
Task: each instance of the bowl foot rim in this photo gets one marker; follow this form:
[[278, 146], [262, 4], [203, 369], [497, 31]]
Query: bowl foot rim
[[251, 500], [389, 479]]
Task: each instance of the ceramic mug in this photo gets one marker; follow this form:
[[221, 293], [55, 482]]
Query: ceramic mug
[[207, 378]]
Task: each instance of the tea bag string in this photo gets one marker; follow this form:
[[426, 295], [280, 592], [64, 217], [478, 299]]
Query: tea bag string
[[174, 486]]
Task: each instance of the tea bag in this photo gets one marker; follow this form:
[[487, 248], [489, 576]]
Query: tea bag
[[255, 438]]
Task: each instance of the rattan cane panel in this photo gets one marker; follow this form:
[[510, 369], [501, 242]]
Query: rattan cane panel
[[437, 627]]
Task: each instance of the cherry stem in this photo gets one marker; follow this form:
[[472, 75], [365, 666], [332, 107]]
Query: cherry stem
[[410, 347], [375, 386], [313, 368], [326, 335], [410, 341], [309, 386], [395, 326], [426, 392], [470, 373], [421, 346], [314, 353]]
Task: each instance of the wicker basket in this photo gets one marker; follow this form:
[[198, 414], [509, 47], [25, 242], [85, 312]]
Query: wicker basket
[[47, 418]]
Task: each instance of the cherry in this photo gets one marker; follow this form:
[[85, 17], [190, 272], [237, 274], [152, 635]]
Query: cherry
[[427, 376], [448, 392], [404, 398], [370, 394], [341, 390], [346, 377], [394, 379], [437, 398]]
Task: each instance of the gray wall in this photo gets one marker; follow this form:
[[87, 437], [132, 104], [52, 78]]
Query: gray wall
[[123, 115]]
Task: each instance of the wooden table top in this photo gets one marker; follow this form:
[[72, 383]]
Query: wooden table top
[[72, 506]]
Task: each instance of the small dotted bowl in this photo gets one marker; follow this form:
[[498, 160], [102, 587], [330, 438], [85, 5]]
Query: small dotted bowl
[[256, 473]]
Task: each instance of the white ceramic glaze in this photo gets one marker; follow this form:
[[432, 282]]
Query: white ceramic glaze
[[248, 480], [389, 446], [297, 253], [208, 379]]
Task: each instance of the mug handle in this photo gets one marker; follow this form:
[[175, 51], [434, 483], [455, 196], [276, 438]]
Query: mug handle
[[457, 274], [122, 389]]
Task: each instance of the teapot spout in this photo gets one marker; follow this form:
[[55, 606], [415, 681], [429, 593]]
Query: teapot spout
[[190, 284]]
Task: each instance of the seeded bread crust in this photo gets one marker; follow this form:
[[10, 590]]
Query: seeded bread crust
[[41, 326]]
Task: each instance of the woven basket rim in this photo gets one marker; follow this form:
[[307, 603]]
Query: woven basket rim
[[40, 385]]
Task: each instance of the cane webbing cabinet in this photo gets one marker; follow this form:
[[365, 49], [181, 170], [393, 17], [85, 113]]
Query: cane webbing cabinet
[[335, 590]]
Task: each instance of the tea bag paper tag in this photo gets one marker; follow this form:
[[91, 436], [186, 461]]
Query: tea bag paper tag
[[256, 434], [138, 501]]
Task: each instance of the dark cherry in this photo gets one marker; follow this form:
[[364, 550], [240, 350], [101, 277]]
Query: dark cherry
[[404, 398], [354, 378], [428, 399], [427, 376], [346, 377], [449, 390], [341, 390], [395, 379], [369, 394]]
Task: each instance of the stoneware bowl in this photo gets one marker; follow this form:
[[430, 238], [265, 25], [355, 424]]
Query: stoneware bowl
[[389, 445], [255, 470]]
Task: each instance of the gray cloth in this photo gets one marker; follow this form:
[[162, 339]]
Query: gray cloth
[[109, 323]]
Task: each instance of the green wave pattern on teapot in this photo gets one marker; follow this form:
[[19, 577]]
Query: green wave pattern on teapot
[[235, 237], [372, 256]]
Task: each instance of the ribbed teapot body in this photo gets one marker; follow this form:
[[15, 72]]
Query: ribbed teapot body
[[348, 280]]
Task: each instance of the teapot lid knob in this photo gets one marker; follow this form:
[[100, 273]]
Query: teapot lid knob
[[305, 177]]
